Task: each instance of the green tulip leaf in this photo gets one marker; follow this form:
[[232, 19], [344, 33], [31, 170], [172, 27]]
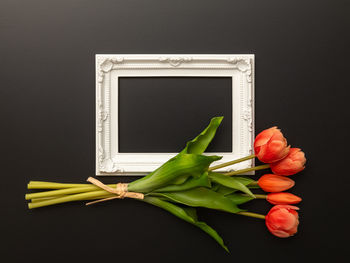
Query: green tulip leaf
[[224, 190], [187, 214], [215, 187], [189, 162], [239, 199], [182, 165], [250, 183], [201, 197], [192, 212], [244, 180], [199, 144], [191, 182], [231, 182], [180, 180]]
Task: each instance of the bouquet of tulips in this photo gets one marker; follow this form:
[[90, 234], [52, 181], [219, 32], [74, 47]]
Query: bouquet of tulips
[[188, 181]]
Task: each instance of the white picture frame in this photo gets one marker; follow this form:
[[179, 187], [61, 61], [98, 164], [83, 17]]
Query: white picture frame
[[109, 67]]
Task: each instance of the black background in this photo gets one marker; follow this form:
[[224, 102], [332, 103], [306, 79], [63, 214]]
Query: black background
[[47, 95], [160, 114]]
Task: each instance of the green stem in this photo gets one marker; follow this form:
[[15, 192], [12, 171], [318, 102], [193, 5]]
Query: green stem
[[258, 196], [40, 199], [255, 183], [69, 198], [250, 214], [260, 167], [231, 162], [36, 200], [67, 191], [50, 185]]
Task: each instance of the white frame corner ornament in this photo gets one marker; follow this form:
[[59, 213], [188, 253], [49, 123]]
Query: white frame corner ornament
[[110, 67]]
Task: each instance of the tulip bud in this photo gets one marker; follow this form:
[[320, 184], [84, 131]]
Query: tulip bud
[[292, 164], [270, 145], [282, 220], [283, 198], [275, 183]]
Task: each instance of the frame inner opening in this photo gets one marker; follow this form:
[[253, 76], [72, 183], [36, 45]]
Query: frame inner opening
[[160, 114]]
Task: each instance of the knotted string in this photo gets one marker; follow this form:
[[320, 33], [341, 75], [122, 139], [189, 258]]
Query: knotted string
[[121, 191]]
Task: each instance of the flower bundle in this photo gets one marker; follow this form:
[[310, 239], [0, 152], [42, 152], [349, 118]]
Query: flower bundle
[[188, 181]]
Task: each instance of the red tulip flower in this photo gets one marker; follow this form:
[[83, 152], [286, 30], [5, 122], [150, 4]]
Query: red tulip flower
[[270, 145], [283, 198], [275, 183], [282, 220], [292, 164]]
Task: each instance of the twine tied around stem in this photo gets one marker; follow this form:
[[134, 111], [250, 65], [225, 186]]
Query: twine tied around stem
[[121, 191]]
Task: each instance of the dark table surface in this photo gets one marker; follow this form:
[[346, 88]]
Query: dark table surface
[[47, 90]]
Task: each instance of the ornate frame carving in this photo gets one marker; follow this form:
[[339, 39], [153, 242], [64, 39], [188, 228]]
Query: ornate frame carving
[[110, 67]]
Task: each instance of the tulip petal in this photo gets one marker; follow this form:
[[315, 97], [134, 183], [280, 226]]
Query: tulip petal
[[264, 136], [283, 198], [270, 145], [282, 220], [293, 163], [275, 183]]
